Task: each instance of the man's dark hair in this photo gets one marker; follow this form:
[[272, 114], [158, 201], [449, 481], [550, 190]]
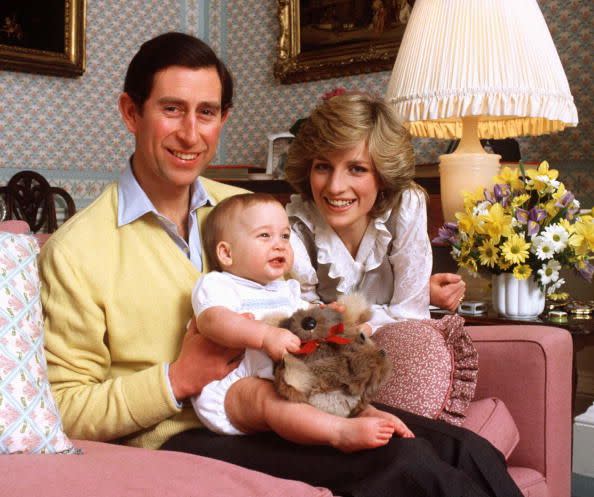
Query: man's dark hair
[[173, 49]]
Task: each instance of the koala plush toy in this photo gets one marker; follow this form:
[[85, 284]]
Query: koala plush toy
[[338, 368]]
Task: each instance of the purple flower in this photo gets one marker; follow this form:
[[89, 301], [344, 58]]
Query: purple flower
[[565, 200], [532, 218], [585, 269], [447, 234], [502, 191], [533, 227], [522, 215], [571, 212], [489, 196], [537, 214]]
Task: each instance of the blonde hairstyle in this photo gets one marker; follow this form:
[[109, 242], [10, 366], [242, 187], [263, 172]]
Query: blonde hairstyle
[[342, 122], [220, 218]]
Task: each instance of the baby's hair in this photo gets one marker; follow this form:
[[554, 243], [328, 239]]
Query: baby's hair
[[219, 219]]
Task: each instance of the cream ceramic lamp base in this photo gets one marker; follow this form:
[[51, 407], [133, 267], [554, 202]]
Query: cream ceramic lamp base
[[459, 173], [468, 168]]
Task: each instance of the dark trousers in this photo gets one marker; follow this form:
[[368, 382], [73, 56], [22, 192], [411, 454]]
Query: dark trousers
[[442, 461]]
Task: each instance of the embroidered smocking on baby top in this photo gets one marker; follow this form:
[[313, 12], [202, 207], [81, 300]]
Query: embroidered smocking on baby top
[[391, 268], [280, 297]]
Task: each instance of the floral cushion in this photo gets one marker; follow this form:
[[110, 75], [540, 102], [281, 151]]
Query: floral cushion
[[435, 367], [29, 419]]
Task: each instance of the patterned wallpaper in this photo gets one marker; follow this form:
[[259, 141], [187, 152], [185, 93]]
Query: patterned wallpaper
[[70, 129]]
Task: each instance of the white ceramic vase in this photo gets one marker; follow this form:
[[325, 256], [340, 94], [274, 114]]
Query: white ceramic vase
[[516, 299]]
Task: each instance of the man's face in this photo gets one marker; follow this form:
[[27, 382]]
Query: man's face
[[178, 129]]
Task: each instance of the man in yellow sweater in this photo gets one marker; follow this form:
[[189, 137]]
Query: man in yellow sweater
[[117, 280]]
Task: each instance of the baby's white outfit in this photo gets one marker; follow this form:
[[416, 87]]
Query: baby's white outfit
[[239, 295]]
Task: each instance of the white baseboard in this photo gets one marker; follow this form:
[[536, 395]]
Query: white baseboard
[[583, 443]]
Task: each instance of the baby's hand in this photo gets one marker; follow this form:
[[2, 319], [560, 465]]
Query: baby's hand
[[278, 341]]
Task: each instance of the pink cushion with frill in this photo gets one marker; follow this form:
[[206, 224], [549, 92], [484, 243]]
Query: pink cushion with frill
[[435, 366]]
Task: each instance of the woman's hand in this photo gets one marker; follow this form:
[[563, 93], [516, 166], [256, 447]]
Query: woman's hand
[[446, 290]]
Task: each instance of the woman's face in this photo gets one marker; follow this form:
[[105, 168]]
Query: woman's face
[[344, 187]]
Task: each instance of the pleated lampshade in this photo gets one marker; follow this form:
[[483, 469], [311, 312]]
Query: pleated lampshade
[[490, 64]]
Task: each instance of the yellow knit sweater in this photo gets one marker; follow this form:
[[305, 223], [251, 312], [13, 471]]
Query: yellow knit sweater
[[116, 303]]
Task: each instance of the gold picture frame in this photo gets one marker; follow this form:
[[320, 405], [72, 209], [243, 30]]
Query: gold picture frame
[[320, 40], [36, 37]]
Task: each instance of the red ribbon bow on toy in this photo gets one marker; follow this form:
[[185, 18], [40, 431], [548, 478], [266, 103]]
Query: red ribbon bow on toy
[[311, 345]]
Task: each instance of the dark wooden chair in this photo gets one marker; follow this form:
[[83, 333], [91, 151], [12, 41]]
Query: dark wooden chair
[[29, 197]]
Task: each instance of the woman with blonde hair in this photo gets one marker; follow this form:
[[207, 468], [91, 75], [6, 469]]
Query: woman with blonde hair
[[360, 221], [360, 225]]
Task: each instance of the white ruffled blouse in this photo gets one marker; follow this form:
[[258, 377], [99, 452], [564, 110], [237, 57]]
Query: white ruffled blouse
[[392, 266]]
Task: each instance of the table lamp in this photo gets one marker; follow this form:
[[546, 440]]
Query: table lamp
[[478, 69]]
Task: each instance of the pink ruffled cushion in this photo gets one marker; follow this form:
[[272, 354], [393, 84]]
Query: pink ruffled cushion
[[435, 367]]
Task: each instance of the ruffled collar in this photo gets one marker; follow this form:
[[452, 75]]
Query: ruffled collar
[[332, 251]]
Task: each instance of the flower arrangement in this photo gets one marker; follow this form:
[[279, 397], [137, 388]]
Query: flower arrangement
[[528, 224]]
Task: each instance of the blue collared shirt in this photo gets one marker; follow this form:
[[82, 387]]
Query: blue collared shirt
[[134, 203]]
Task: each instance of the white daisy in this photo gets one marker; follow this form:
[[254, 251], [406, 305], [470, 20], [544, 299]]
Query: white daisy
[[558, 284], [481, 209], [551, 184], [543, 249], [557, 235], [549, 273]]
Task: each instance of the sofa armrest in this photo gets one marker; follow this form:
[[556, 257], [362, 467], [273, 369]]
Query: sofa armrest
[[530, 369]]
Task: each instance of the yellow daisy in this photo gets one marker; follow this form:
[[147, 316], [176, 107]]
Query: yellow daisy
[[488, 253], [522, 272], [515, 249], [520, 200], [569, 227], [503, 265], [466, 261]]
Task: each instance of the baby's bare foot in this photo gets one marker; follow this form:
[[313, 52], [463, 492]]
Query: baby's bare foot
[[400, 427], [353, 434]]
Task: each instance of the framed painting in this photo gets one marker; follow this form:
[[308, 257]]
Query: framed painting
[[322, 39], [43, 36]]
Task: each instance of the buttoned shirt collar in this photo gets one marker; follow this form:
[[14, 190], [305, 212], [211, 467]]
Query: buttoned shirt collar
[[133, 203]]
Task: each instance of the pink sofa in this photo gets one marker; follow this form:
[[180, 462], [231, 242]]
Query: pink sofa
[[530, 369], [522, 405]]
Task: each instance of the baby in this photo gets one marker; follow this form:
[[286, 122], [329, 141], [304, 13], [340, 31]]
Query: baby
[[246, 238]]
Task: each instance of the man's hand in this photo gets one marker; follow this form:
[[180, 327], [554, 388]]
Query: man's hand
[[446, 290], [200, 361], [278, 341]]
